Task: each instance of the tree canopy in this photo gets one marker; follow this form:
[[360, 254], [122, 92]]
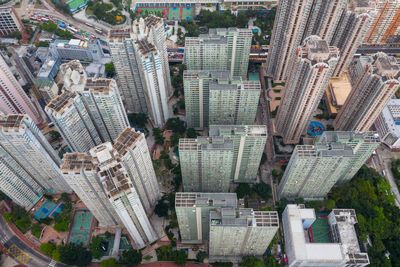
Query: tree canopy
[[176, 125], [71, 254], [130, 258]]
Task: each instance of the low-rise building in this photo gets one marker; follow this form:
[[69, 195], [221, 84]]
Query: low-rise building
[[335, 244], [49, 69], [388, 124], [78, 49], [9, 21]]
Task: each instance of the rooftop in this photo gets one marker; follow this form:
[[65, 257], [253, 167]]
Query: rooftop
[[119, 33], [99, 85], [126, 140], [145, 47], [248, 130], [152, 20], [60, 102], [77, 162], [11, 121], [190, 200], [243, 217]]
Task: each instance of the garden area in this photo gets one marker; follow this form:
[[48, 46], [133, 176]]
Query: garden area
[[395, 170], [107, 12]]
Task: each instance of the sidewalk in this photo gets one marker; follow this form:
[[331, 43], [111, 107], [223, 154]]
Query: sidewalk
[[21, 236]]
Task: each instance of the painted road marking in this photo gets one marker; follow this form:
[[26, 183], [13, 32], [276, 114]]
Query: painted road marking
[[4, 239], [52, 263], [17, 253]]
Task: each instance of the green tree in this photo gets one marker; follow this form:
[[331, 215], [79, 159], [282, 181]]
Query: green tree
[[36, 229], [243, 190], [263, 190], [201, 255], [95, 247], [191, 133], [251, 261], [180, 257], [56, 254], [23, 224], [55, 135], [270, 261], [175, 139], [110, 69], [161, 209], [71, 254], [7, 217], [158, 137], [138, 120], [111, 262], [131, 258], [176, 125], [62, 226], [47, 248]]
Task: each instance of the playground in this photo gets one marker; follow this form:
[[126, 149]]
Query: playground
[[81, 228], [48, 209], [315, 128], [170, 13], [319, 230]]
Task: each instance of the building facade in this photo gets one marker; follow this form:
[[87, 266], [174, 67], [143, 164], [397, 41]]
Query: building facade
[[101, 99], [248, 146], [388, 124], [297, 20], [341, 249], [206, 164], [220, 49], [305, 86], [334, 158], [349, 34], [28, 161], [141, 61], [235, 233], [9, 21], [132, 149], [385, 22], [372, 90], [13, 99], [80, 172], [234, 103], [193, 213], [69, 114], [76, 49], [48, 89], [122, 195]]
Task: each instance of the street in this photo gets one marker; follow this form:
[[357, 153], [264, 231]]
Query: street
[[22, 252]]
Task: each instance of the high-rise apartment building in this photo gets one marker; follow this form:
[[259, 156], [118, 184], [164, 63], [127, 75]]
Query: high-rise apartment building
[[233, 103], [334, 158], [135, 157], [385, 21], [48, 89], [235, 233], [339, 248], [295, 21], [220, 49], [80, 172], [83, 173], [349, 34], [157, 89], [206, 163], [13, 99], [141, 61], [122, 194], [9, 21], [196, 84], [68, 113], [193, 213], [305, 86], [376, 83], [29, 165], [101, 99], [248, 147]]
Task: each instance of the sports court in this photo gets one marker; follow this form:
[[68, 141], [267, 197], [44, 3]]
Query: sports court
[[45, 210], [74, 5], [170, 13], [81, 228], [319, 230]]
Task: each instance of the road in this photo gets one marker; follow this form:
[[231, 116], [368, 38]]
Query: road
[[27, 255]]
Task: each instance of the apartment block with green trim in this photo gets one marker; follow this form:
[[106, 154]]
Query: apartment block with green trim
[[248, 142], [220, 49], [193, 213], [235, 233], [334, 158], [234, 103], [197, 93], [206, 164]]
